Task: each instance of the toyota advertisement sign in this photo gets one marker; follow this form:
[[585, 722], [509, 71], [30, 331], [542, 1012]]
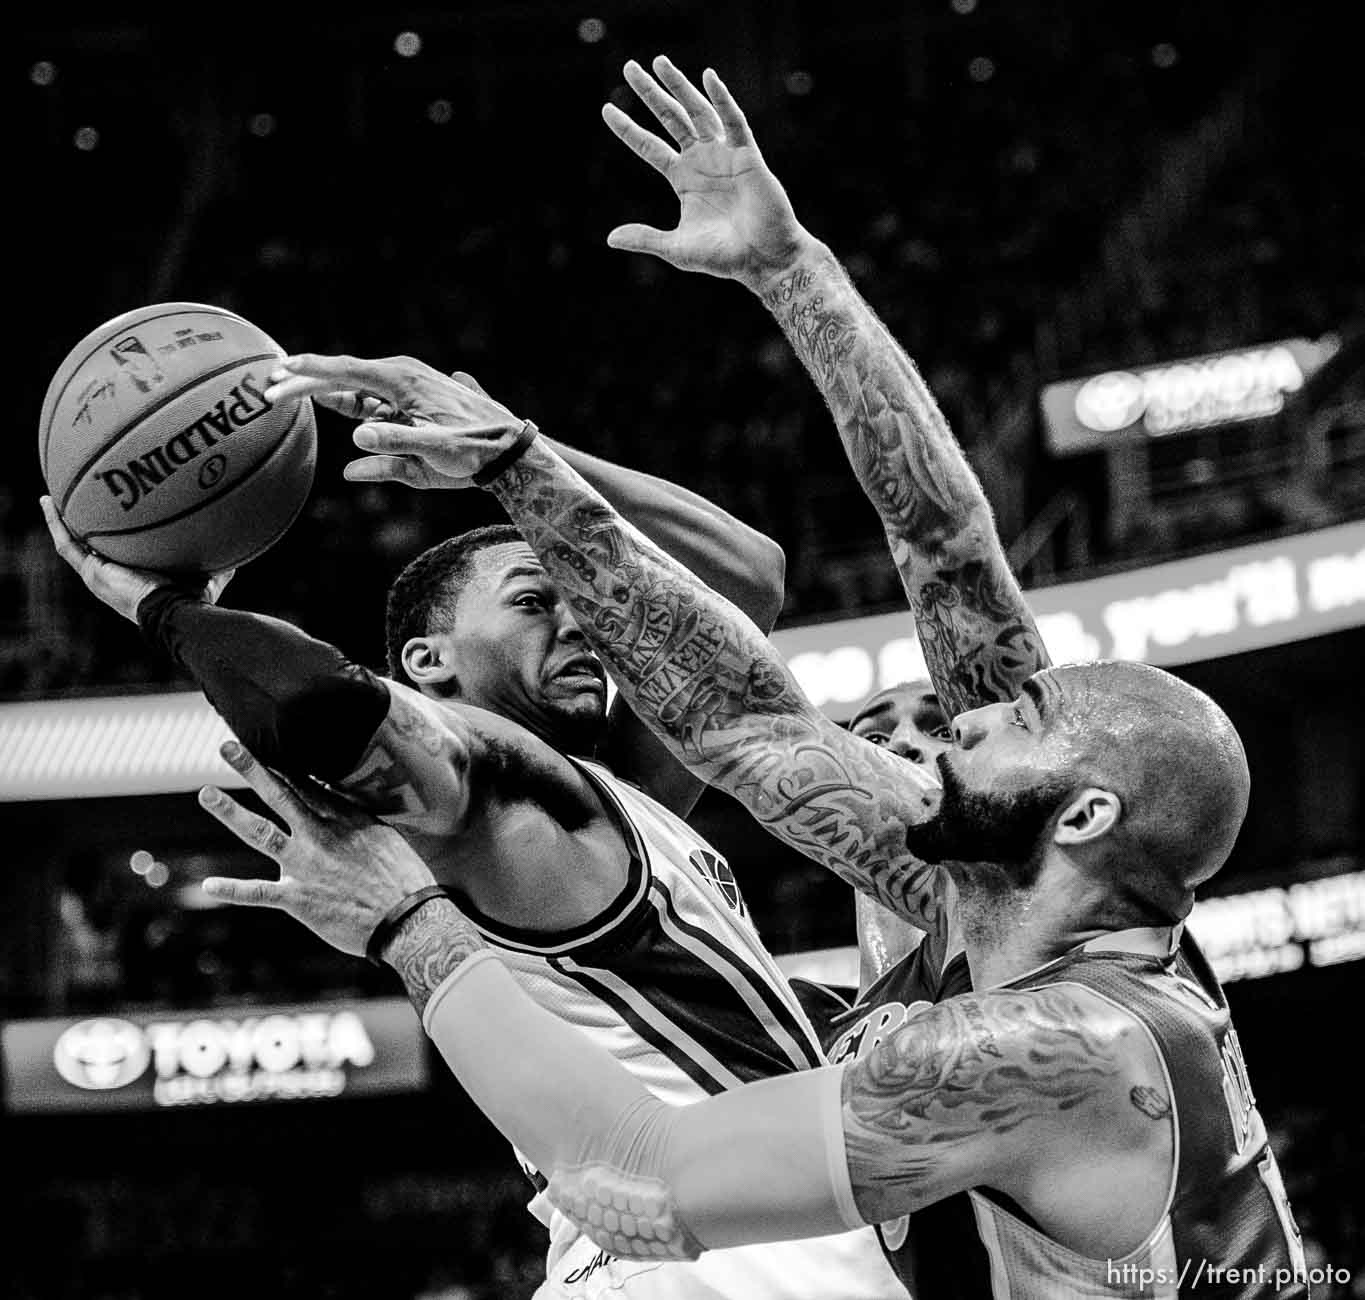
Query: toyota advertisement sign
[[149, 1061], [1147, 402]]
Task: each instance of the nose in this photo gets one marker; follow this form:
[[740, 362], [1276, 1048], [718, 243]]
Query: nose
[[970, 728], [568, 630], [906, 743]]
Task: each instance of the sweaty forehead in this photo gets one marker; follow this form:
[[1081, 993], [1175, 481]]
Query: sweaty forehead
[[1055, 691], [495, 564], [914, 700]]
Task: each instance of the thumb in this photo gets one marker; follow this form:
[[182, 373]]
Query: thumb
[[635, 238]]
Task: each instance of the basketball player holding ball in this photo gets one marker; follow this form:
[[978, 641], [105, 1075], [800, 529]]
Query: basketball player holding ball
[[491, 749]]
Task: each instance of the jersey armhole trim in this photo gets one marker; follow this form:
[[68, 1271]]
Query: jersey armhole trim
[[1163, 1222]]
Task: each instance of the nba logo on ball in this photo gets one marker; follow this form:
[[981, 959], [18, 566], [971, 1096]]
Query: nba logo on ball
[[160, 449]]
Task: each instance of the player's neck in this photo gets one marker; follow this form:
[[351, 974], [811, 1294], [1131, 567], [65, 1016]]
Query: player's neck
[[1008, 932]]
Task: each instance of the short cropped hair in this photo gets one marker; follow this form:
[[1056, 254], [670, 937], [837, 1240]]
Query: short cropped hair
[[1175, 760], [423, 598]]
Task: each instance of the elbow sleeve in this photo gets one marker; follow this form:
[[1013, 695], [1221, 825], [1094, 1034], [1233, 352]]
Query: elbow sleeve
[[298, 704]]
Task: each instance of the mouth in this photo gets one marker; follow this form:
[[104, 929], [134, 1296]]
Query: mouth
[[584, 668]]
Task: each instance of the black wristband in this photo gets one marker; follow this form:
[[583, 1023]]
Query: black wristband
[[395, 916], [506, 459]]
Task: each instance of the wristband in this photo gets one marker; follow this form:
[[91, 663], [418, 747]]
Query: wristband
[[395, 916], [504, 460]]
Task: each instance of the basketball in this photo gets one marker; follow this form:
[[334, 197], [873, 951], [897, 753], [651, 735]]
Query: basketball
[[159, 448]]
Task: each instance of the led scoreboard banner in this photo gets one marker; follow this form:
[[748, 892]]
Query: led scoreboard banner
[[221, 1056], [1123, 406]]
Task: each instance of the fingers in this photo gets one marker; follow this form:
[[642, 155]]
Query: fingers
[[255, 831], [353, 404], [644, 143], [65, 544], [274, 793], [383, 378], [284, 387], [731, 115], [407, 470], [670, 114], [706, 121], [245, 893], [423, 440], [635, 238]]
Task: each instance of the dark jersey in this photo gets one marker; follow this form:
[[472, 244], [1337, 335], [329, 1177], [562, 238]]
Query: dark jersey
[[1227, 1231], [936, 1251]]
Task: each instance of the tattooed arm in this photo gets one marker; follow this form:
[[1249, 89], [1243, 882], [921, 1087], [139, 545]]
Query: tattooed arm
[[1049, 1096], [979, 638], [740, 563], [717, 692], [687, 662], [736, 221]]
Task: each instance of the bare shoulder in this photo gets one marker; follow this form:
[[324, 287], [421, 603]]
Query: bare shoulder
[[1005, 1089]]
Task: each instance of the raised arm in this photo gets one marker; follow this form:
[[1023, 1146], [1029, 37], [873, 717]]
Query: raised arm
[[978, 636]]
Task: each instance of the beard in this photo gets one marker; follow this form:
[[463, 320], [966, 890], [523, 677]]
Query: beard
[[987, 839]]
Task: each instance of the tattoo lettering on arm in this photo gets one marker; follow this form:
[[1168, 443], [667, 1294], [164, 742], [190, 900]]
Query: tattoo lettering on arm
[[428, 946], [414, 773], [929, 1110], [979, 639], [699, 673]]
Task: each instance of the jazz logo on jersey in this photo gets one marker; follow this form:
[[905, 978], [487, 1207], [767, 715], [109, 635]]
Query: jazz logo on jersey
[[717, 871]]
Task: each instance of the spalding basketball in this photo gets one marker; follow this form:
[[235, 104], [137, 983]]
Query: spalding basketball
[[159, 448]]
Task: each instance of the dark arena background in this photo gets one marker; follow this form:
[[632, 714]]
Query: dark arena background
[[1031, 193]]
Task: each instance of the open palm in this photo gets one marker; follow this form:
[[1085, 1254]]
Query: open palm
[[736, 220]]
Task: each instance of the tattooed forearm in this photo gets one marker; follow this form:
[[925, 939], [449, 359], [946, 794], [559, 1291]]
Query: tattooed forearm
[[698, 672], [428, 946], [977, 634], [971, 1071]]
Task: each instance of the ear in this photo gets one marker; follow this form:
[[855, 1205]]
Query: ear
[[1090, 814], [427, 660]]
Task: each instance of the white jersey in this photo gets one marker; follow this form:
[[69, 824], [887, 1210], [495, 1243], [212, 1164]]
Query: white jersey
[[672, 979]]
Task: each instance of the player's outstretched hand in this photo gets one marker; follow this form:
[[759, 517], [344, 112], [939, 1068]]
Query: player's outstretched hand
[[120, 587], [341, 870], [421, 427], [736, 220]]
